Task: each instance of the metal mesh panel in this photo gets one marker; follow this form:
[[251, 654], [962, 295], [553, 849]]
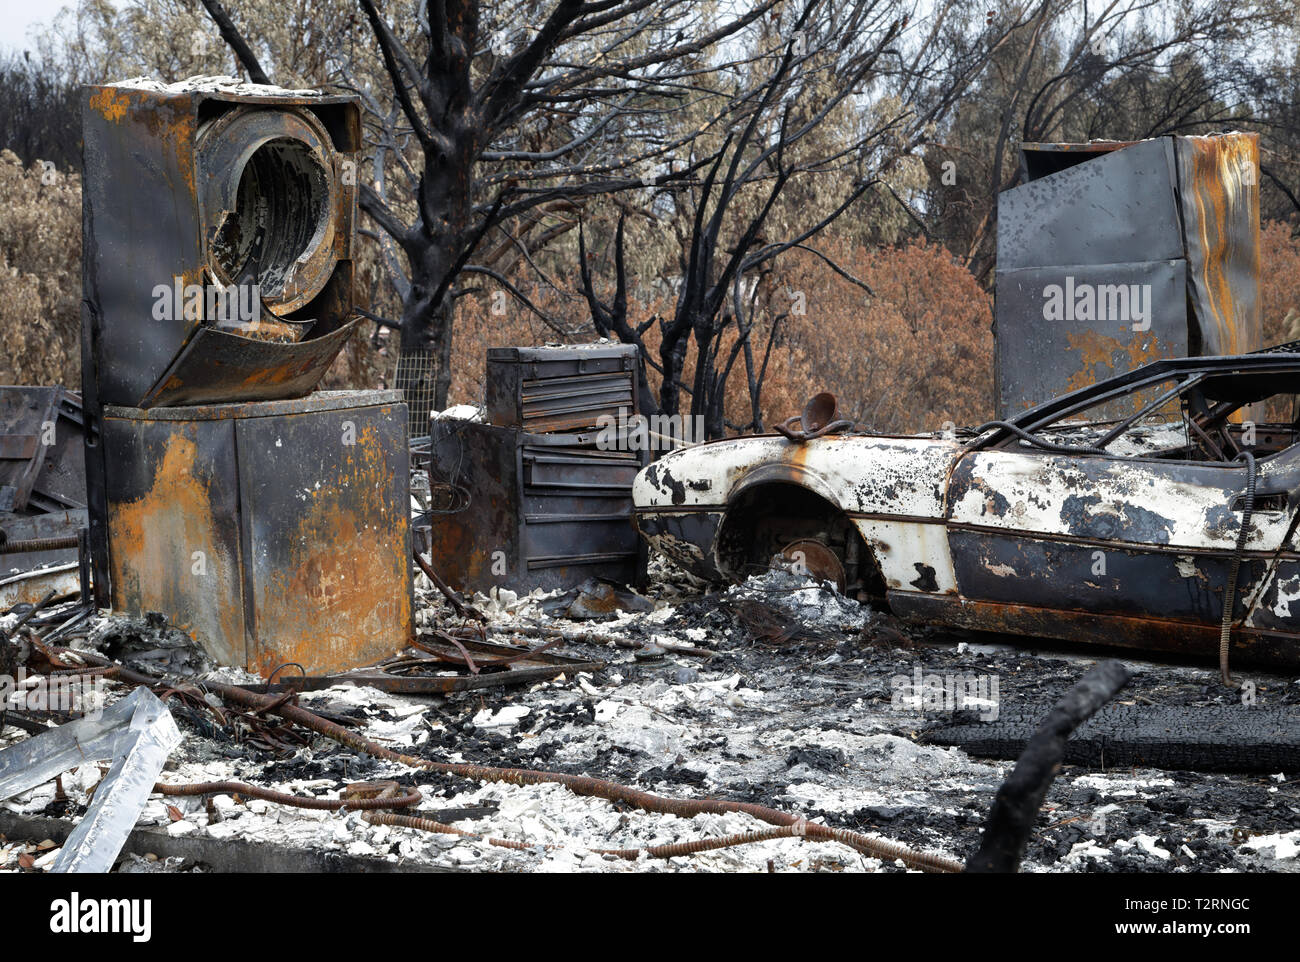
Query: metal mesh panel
[[415, 379]]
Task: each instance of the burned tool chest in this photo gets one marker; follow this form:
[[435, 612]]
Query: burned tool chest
[[536, 499], [560, 389]]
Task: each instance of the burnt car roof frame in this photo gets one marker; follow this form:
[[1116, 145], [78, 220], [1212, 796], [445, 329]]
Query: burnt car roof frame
[[1129, 382]]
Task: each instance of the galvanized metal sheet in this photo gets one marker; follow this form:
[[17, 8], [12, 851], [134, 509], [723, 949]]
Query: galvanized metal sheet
[[1112, 209], [1043, 352]]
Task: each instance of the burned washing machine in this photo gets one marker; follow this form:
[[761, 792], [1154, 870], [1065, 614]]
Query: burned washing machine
[[270, 522]]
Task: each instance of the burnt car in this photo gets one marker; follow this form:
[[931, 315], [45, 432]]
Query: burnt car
[[1123, 513]]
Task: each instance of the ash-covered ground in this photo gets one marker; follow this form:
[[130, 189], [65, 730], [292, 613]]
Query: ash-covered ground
[[805, 702]]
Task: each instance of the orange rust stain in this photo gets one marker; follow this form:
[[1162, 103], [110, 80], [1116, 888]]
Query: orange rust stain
[[111, 103], [153, 542], [281, 374], [343, 600], [1101, 355], [171, 120], [1224, 191]]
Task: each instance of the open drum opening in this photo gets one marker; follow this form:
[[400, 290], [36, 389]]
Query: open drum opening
[[281, 213]]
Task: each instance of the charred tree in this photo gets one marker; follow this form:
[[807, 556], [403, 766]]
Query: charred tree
[[461, 96]]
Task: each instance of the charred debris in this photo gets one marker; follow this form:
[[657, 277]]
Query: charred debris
[[251, 625]]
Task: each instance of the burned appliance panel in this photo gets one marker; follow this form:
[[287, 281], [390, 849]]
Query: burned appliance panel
[[325, 495], [1116, 207], [1087, 248], [274, 532], [173, 526], [1091, 345]]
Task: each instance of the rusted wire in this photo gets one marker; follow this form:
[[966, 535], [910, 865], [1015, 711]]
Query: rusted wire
[[92, 671], [578, 784], [34, 545]]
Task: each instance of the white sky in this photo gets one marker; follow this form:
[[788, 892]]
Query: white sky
[[18, 16]]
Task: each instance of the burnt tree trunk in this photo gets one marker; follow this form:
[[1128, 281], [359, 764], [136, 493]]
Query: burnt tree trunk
[[443, 228]]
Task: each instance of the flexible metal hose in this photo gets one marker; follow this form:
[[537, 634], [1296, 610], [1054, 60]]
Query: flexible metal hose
[[1230, 590]]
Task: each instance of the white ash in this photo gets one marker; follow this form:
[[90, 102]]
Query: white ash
[[810, 732], [216, 83], [815, 605]]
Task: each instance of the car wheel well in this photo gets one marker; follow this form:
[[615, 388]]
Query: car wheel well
[[764, 518]]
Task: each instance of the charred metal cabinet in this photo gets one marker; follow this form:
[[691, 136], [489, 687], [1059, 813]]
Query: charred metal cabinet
[[1112, 254], [540, 502], [273, 531], [549, 389], [541, 510]]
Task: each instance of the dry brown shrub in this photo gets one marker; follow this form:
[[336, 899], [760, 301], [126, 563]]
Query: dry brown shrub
[[40, 275], [1279, 282], [916, 352]]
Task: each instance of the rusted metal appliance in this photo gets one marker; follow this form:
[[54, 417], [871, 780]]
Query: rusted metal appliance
[[542, 499], [270, 522], [1114, 254], [276, 531], [197, 188]]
